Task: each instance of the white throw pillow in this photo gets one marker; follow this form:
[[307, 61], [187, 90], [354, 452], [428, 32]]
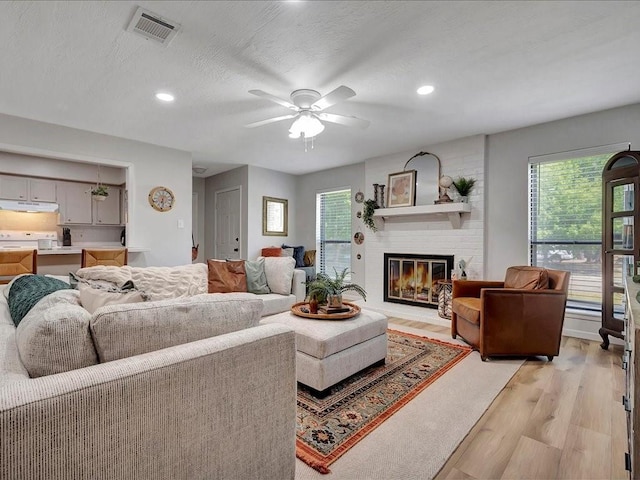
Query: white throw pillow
[[279, 272]]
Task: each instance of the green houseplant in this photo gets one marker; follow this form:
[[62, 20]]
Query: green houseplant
[[326, 289], [100, 192], [464, 185], [369, 207]]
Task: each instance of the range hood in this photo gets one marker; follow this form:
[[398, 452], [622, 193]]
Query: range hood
[[20, 206]]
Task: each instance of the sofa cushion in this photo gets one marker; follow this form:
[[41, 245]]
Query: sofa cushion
[[54, 336], [467, 308], [11, 368], [271, 252], [121, 331], [225, 277], [529, 278], [94, 298], [276, 303], [256, 278], [298, 254], [279, 272]]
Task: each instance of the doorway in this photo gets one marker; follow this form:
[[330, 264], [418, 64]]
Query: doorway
[[228, 210], [620, 237]]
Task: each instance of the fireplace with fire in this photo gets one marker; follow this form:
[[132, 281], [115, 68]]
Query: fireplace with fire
[[414, 279]]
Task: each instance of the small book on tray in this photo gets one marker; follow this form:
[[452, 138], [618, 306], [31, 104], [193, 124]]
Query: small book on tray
[[329, 310]]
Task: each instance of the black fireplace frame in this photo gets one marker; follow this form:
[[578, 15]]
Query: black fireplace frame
[[412, 256]]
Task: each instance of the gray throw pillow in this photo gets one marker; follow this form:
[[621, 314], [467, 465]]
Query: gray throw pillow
[[256, 278]]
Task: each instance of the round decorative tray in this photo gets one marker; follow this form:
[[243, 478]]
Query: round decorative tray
[[300, 307]]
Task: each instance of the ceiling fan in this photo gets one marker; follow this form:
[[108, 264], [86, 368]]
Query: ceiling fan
[[308, 106]]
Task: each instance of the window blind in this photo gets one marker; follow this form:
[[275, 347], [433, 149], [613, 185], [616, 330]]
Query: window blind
[[333, 231], [565, 220]]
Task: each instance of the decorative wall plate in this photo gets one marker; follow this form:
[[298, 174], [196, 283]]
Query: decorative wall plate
[[161, 199], [359, 197]]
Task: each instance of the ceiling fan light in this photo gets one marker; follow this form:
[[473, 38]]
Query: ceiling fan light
[[306, 125]]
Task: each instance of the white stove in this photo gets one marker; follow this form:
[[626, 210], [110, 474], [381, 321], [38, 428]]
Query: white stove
[[16, 239]]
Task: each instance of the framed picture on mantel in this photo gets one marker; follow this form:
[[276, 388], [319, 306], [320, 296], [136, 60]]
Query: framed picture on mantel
[[402, 189]]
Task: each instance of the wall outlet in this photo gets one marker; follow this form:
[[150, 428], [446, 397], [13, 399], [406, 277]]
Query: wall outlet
[[180, 223]]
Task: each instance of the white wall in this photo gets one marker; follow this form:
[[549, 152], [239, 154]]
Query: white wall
[[238, 177], [507, 173], [148, 166], [269, 183], [426, 235], [31, 166], [199, 216]]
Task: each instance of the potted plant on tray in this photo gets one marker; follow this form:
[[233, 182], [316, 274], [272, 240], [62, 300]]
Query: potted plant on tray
[[464, 186], [329, 290], [99, 193]]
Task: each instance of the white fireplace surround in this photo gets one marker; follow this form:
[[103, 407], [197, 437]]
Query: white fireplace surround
[[425, 234]]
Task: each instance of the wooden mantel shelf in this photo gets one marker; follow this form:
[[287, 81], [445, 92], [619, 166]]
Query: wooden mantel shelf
[[453, 210]]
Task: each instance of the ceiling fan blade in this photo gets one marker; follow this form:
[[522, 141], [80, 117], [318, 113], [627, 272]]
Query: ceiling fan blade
[[338, 95], [343, 120], [279, 101], [270, 120]]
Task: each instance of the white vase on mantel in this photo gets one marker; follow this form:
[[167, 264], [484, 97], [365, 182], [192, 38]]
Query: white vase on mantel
[[99, 198]]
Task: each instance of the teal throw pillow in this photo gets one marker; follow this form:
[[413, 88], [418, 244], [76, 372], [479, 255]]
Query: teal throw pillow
[[256, 278]]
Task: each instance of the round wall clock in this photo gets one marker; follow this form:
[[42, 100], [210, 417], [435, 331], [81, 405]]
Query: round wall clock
[[161, 198]]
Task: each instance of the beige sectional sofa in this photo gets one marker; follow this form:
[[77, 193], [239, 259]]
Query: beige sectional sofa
[[172, 388]]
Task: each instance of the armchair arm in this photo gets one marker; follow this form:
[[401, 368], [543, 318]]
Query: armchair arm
[[298, 286], [521, 321], [472, 288]]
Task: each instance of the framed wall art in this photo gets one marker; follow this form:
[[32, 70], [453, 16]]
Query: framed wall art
[[275, 216], [402, 189]]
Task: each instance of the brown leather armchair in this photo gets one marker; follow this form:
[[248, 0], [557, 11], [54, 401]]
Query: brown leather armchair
[[522, 316]]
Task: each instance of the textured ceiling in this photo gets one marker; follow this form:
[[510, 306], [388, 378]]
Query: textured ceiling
[[496, 66]]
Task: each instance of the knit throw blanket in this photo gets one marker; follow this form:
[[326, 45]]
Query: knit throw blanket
[[158, 283], [28, 290]]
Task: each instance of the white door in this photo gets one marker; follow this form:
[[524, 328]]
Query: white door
[[227, 224]]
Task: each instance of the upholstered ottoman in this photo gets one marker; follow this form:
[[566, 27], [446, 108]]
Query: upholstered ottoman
[[329, 351]]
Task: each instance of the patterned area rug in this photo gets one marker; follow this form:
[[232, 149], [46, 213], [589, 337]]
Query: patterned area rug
[[326, 428]]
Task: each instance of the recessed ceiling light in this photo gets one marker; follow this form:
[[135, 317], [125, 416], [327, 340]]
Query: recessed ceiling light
[[165, 97], [425, 90]]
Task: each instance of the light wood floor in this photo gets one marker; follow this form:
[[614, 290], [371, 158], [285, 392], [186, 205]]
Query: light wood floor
[[554, 420]]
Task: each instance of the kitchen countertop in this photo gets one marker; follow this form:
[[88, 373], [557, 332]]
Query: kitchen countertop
[[72, 250], [77, 249]]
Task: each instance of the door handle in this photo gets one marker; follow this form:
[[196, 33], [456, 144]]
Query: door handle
[[235, 249]]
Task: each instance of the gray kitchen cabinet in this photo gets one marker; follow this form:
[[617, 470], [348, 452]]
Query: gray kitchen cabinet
[[27, 189], [14, 188], [107, 212], [41, 190], [75, 203]]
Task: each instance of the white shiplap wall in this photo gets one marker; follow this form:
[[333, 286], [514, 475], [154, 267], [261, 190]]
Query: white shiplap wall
[[426, 234]]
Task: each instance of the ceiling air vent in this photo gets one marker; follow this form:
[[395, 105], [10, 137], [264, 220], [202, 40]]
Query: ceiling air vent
[[153, 26]]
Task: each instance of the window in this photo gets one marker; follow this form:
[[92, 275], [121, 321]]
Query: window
[[565, 219], [333, 231]]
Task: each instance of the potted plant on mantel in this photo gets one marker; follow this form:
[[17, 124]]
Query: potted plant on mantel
[[464, 186], [99, 193], [329, 290]]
